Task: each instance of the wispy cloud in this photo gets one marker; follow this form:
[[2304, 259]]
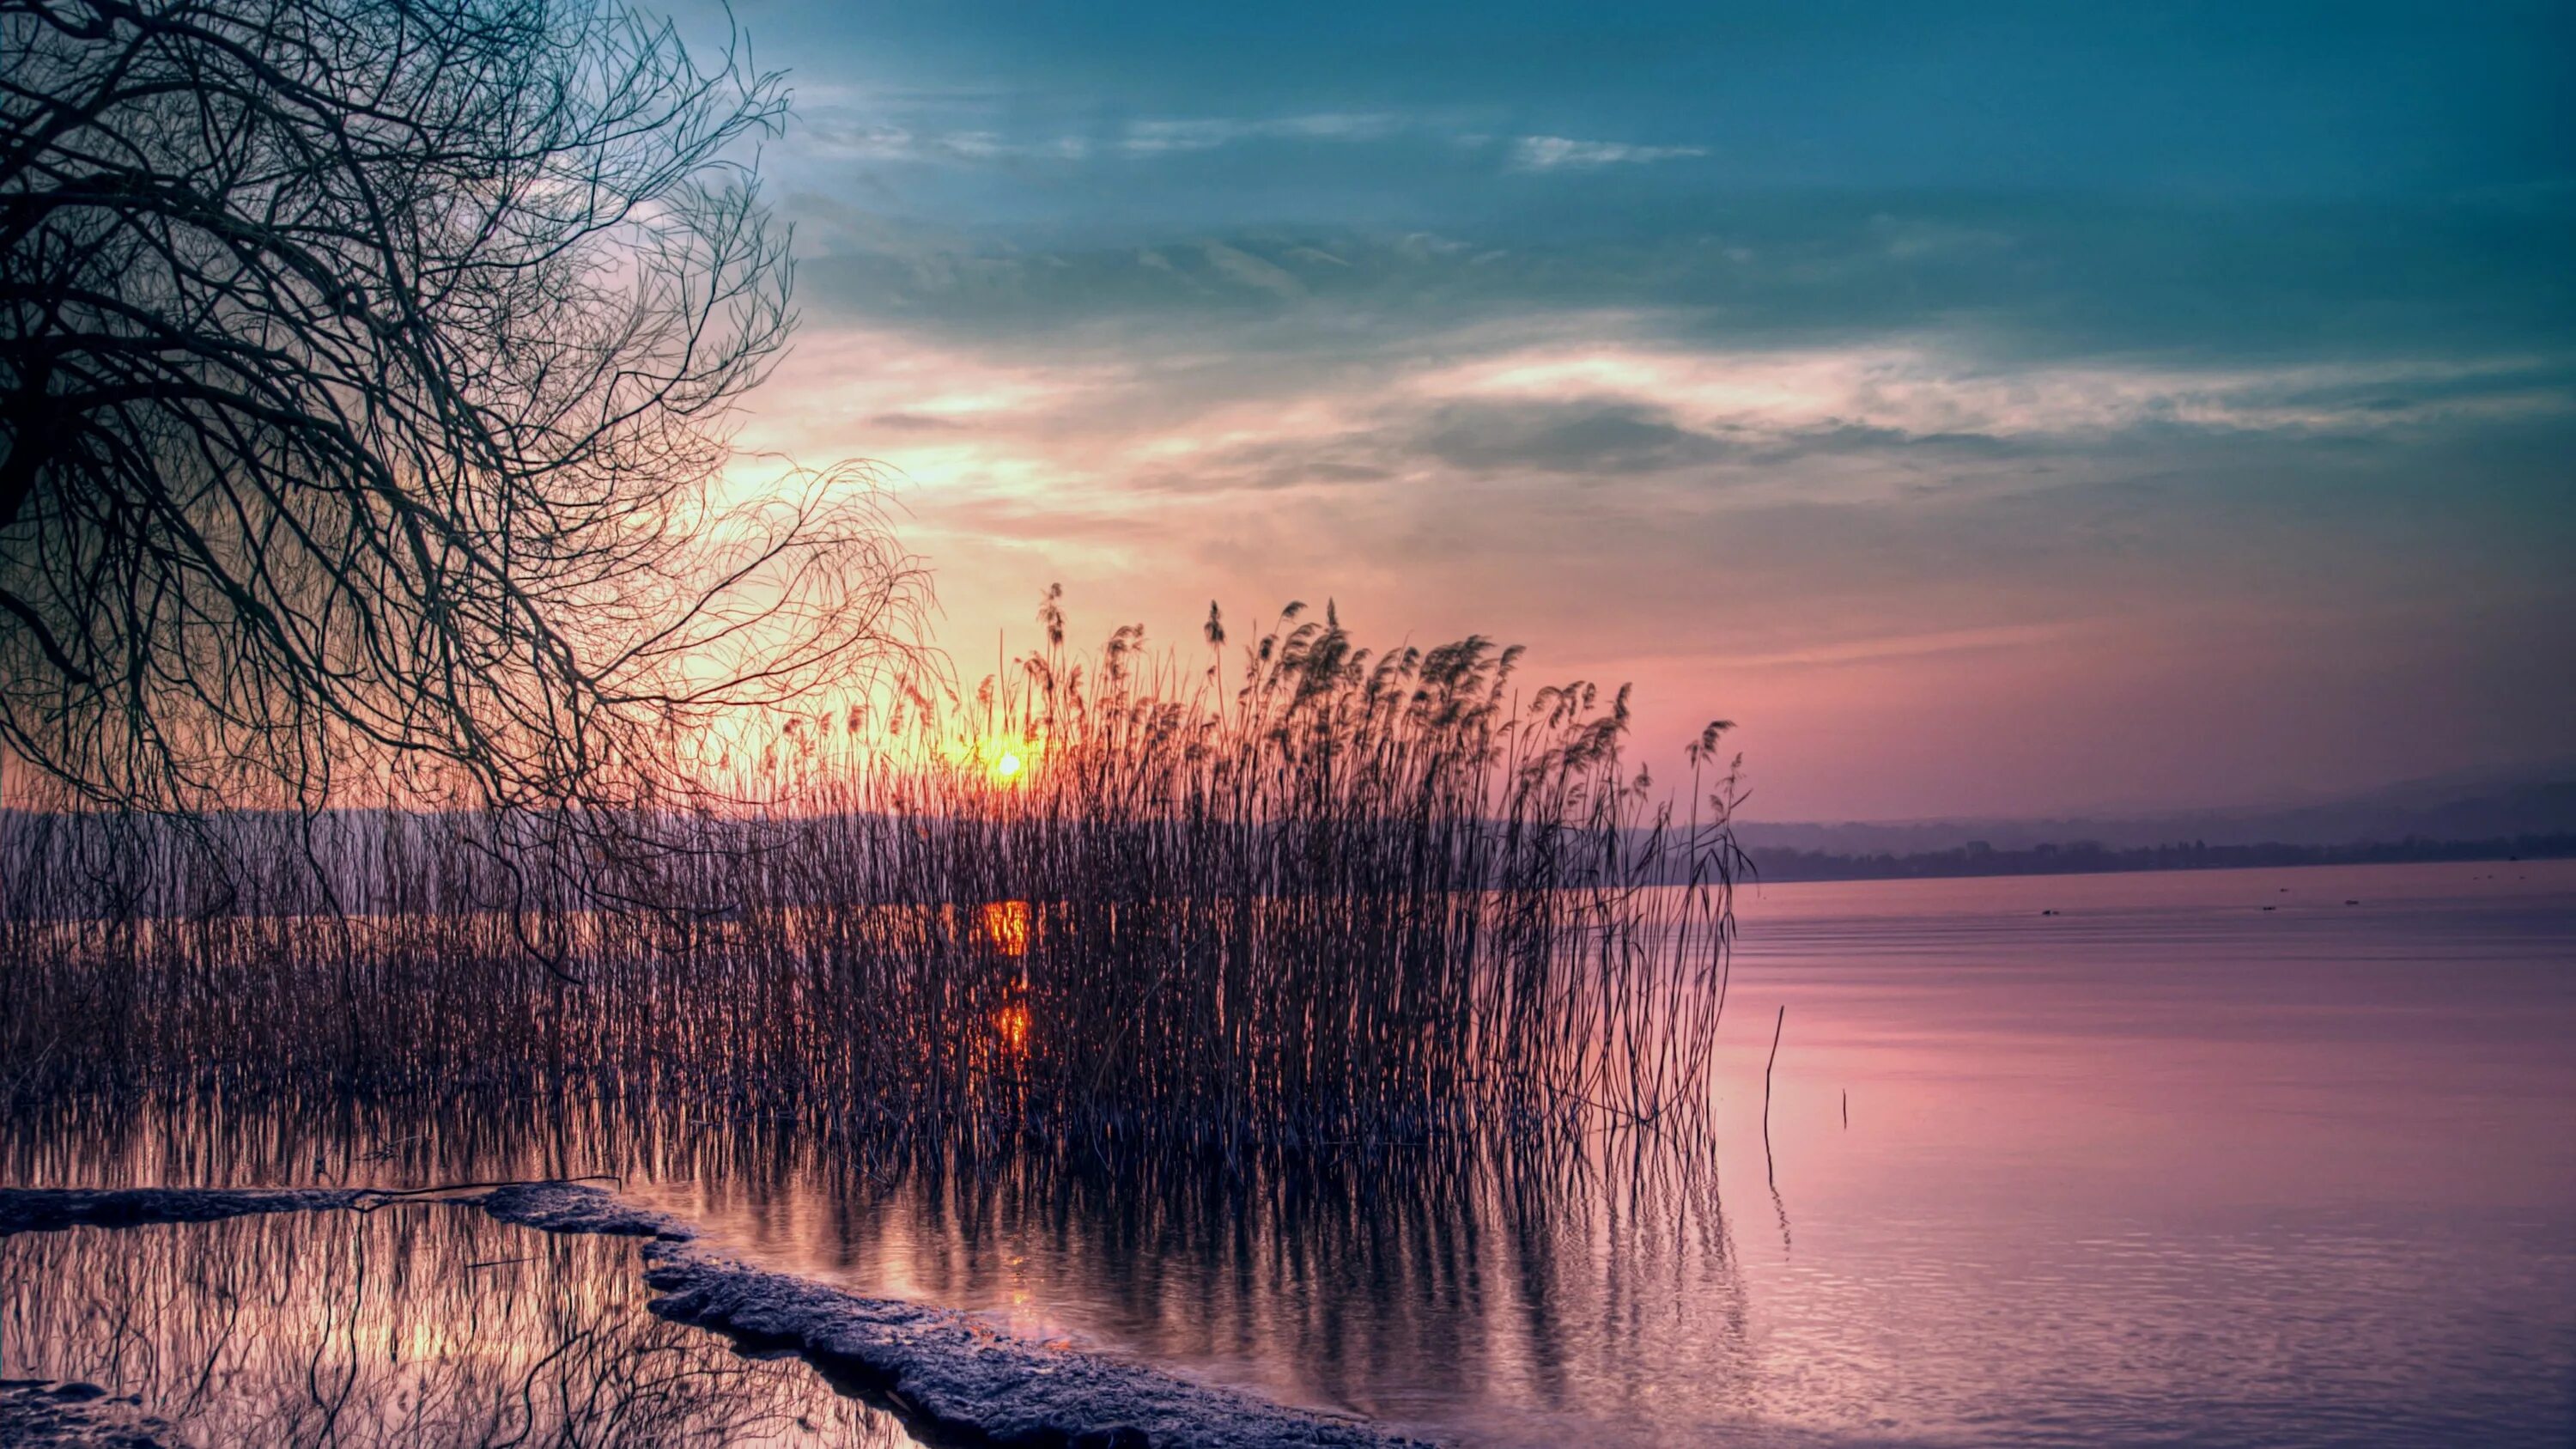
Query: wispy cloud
[[1121, 421], [1563, 153], [830, 136], [1920, 390], [831, 131], [1163, 137]]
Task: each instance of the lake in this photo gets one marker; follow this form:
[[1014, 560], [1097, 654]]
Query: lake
[[2248, 1157]]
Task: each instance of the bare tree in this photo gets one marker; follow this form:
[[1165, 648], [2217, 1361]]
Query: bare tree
[[366, 369]]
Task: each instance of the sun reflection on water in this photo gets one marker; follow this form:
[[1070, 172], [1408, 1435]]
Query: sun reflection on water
[[1005, 926]]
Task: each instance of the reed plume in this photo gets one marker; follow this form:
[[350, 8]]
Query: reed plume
[[1321, 895]]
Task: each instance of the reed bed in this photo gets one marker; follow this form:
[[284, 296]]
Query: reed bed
[[1324, 895]]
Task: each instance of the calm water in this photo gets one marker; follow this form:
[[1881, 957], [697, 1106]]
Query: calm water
[[409, 1327], [2164, 1167]]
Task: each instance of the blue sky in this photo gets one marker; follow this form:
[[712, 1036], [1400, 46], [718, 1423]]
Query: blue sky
[[1998, 410]]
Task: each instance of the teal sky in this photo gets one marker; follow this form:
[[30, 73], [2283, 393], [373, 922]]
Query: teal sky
[[1999, 410]]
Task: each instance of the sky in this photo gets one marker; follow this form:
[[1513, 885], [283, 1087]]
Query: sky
[[1995, 410]]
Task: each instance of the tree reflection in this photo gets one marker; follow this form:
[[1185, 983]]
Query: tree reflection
[[1412, 1284], [417, 1325]]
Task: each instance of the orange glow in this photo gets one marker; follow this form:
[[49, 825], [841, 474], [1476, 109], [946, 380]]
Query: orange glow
[[1014, 1023], [1004, 762], [1006, 925]]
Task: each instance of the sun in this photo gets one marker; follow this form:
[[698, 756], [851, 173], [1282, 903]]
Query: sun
[[1004, 762]]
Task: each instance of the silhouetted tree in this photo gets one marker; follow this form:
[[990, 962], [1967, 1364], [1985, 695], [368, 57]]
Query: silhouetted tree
[[365, 369]]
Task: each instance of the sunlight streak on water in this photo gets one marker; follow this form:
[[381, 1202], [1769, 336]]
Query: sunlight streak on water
[[1005, 926]]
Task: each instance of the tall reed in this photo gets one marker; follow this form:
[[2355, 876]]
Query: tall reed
[[1355, 897]]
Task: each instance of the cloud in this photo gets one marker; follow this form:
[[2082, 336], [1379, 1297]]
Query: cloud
[[1252, 271], [903, 422], [1560, 153], [847, 131], [1165, 137], [1596, 437], [1270, 467], [1913, 391], [832, 136], [1117, 414]]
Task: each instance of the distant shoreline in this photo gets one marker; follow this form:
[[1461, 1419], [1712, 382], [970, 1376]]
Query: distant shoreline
[[2084, 857]]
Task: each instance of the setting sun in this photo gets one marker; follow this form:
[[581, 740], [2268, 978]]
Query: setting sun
[[1003, 761]]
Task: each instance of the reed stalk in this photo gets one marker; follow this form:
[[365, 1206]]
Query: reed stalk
[[1356, 897]]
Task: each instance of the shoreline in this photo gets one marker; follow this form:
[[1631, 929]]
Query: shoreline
[[948, 1375], [1789, 865]]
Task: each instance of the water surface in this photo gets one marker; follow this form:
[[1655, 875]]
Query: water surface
[[2249, 1157], [411, 1326]]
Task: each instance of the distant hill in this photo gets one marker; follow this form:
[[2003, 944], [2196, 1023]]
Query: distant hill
[[2461, 808], [1778, 863]]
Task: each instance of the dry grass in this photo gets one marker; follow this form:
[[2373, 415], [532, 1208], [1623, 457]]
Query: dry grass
[[1357, 897]]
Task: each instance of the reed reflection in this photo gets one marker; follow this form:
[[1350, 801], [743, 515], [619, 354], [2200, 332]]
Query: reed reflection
[[2161, 1168], [417, 1325], [1395, 1282]]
